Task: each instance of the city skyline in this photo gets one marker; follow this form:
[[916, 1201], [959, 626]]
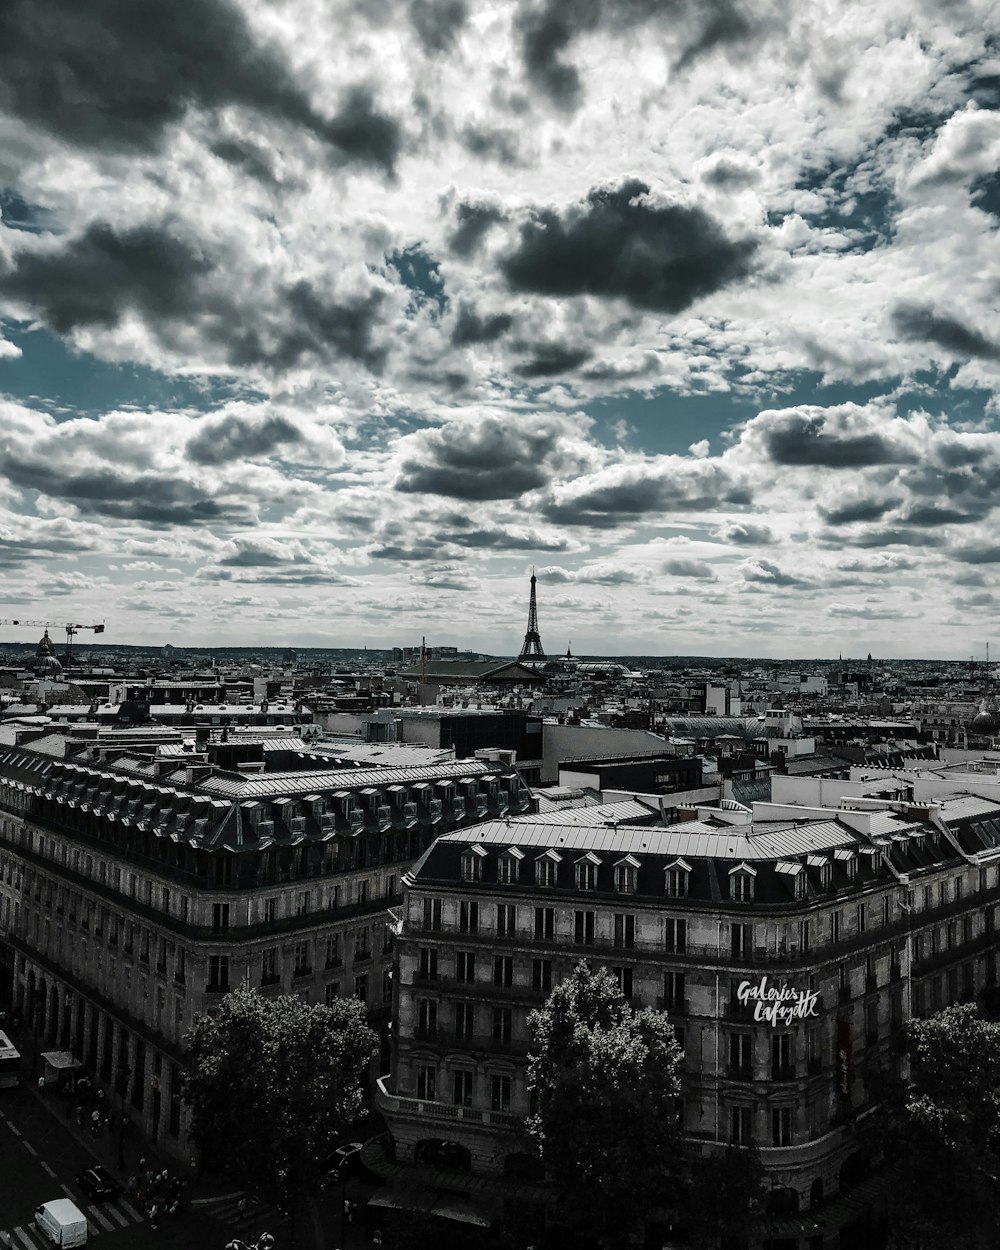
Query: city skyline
[[325, 328]]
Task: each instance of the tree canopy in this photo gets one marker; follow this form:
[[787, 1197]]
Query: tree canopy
[[272, 1083], [948, 1133], [605, 1080]]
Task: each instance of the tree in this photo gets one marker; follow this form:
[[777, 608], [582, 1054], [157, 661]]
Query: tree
[[948, 1133], [272, 1083], [605, 1082], [726, 1195]]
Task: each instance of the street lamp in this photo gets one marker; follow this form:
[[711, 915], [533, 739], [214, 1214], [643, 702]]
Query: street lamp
[[264, 1242]]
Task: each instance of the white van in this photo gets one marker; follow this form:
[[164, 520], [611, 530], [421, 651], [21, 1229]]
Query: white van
[[62, 1222]]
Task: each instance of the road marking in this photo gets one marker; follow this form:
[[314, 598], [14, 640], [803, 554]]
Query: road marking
[[92, 1229], [14, 1129], [117, 1215], [24, 1239], [101, 1218], [131, 1210], [46, 1168], [29, 1147], [68, 1192]]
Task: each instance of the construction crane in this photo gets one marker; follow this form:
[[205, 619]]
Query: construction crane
[[72, 628]]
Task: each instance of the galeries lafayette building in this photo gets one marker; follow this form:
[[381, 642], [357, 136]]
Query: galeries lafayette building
[[789, 946]]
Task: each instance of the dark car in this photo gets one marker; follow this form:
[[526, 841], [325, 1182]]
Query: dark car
[[344, 1161], [444, 1154], [98, 1184]]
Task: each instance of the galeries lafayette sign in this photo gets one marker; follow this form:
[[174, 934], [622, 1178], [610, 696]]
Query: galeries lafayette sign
[[780, 1003]]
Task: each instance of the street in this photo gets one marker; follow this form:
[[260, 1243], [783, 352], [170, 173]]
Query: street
[[43, 1151]]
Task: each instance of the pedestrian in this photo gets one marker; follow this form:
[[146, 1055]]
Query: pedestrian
[[241, 1209], [79, 1114], [95, 1122], [130, 1186], [377, 1238], [154, 1212], [142, 1163]]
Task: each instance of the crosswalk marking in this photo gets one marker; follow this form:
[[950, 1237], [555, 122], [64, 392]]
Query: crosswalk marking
[[24, 1239], [130, 1209], [29, 1147], [101, 1218], [13, 1128], [92, 1229], [48, 1170], [117, 1215]]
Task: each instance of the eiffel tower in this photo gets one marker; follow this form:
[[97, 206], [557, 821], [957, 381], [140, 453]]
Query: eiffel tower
[[531, 648]]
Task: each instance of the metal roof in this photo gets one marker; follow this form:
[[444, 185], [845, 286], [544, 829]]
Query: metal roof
[[268, 785]]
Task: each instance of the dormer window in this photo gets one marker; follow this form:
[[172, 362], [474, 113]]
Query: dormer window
[[586, 871], [546, 868], [677, 878], [509, 865], [849, 861], [741, 883], [472, 863], [626, 875]]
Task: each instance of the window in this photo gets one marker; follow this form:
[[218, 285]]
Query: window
[[333, 951], [741, 884], [942, 893], [862, 917], [508, 865], [541, 975], [545, 924], [503, 971], [586, 872], [545, 869], [583, 928], [740, 1126], [871, 1023], [781, 1126], [218, 970], [465, 966], [220, 917], [428, 963], [966, 929], [472, 864], [625, 931], [331, 993], [363, 889], [300, 966], [675, 936], [361, 987], [500, 1093], [958, 888], [269, 966], [835, 926], [426, 1082], [432, 913], [626, 875], [624, 978], [740, 1053], [676, 879], [427, 1017], [302, 902], [503, 1021], [462, 1088], [886, 909], [826, 875], [465, 1020], [505, 919], [270, 910], [803, 935], [362, 949], [673, 991], [741, 936], [781, 1056], [468, 917], [928, 898]]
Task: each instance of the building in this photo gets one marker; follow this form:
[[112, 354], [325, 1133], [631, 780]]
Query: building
[[137, 888], [788, 945]]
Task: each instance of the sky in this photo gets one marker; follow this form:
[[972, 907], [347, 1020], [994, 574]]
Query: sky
[[323, 323]]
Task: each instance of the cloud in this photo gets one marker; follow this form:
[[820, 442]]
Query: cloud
[[689, 568], [473, 220], [651, 490], [623, 243], [114, 77], [490, 458], [438, 22], [553, 359], [745, 534], [925, 325], [451, 578], [600, 574], [843, 437], [249, 436], [470, 327], [767, 573]]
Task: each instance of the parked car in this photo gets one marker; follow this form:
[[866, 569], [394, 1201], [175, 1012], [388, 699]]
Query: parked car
[[444, 1154], [344, 1161], [98, 1184]]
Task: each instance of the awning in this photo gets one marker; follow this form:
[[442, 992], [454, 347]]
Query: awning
[[61, 1060]]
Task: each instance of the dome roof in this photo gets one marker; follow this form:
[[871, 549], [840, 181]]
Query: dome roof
[[47, 666], [986, 721]]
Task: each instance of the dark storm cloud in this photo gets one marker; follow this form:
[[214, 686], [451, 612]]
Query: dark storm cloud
[[470, 327], [636, 493], [932, 514], [767, 573], [235, 438], [501, 540], [925, 325], [982, 554], [437, 22], [858, 510], [492, 143], [94, 279], [488, 460], [621, 244], [156, 500], [115, 74], [548, 30], [811, 438], [553, 360], [689, 568], [473, 219], [888, 537], [245, 156], [100, 276]]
